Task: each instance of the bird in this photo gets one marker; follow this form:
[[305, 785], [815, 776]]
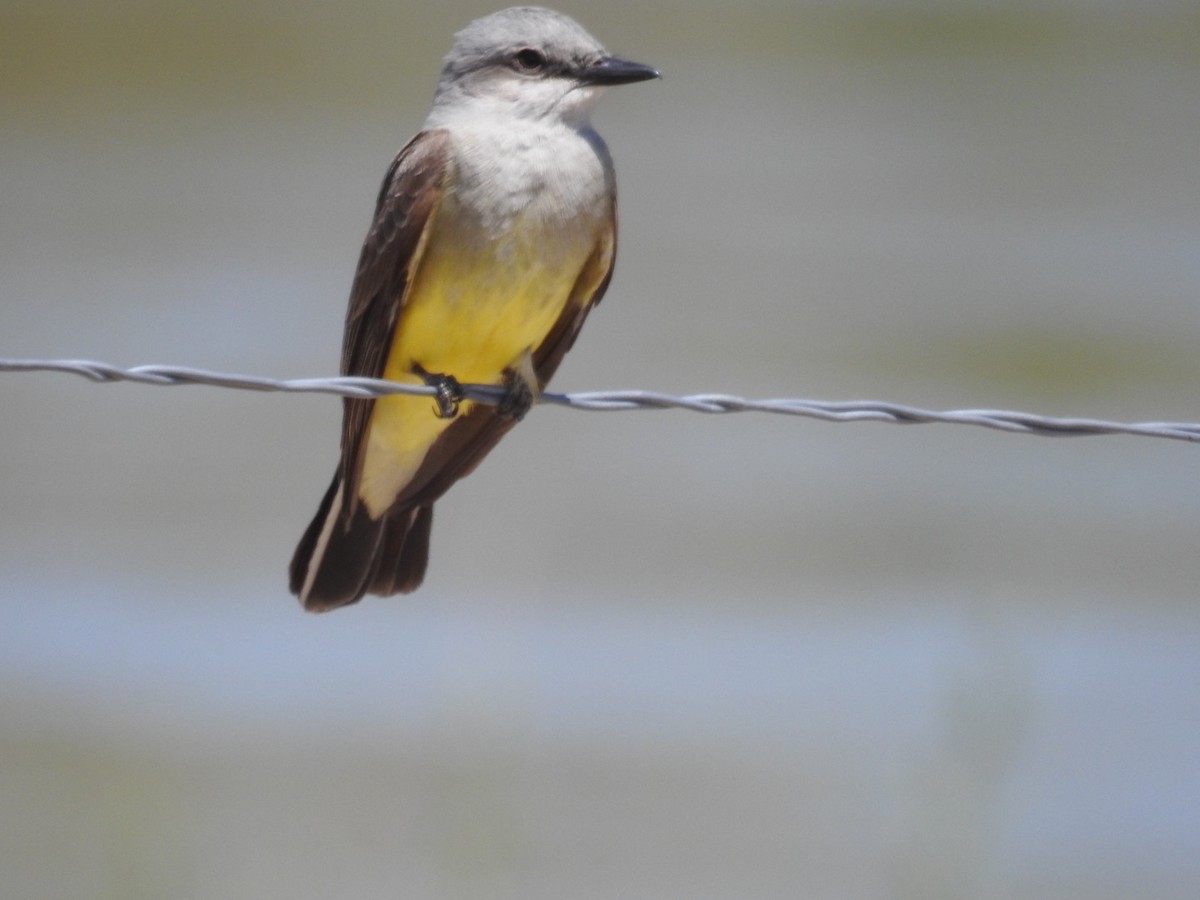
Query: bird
[[494, 235]]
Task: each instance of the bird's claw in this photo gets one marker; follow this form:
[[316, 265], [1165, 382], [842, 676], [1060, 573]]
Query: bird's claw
[[448, 392], [517, 399]]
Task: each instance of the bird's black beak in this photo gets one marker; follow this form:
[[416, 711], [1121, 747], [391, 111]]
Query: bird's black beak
[[612, 70]]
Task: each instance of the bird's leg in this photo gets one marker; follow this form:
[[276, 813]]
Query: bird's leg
[[520, 389], [449, 391]]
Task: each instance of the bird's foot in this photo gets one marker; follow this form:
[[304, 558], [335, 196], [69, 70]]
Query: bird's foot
[[518, 396], [449, 392]]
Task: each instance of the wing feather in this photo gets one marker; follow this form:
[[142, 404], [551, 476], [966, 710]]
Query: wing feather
[[404, 214]]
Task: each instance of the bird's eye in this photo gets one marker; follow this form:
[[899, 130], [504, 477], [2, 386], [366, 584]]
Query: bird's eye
[[529, 60]]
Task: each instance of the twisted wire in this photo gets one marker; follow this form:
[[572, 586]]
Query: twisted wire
[[832, 411]]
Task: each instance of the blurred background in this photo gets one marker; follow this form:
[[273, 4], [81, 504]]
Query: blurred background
[[657, 654]]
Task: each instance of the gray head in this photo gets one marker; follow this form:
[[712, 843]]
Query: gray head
[[528, 62]]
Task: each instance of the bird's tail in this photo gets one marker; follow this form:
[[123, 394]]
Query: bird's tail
[[345, 554]]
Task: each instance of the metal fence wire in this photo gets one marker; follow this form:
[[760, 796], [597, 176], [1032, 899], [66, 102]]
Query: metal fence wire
[[832, 411]]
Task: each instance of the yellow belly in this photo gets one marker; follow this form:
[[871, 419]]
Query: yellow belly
[[474, 310]]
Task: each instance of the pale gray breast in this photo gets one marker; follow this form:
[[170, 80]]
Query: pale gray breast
[[547, 178]]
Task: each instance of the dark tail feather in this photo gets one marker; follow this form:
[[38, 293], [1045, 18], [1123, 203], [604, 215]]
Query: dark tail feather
[[341, 557], [404, 552]]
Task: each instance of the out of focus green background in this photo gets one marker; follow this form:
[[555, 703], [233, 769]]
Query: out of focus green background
[[657, 654]]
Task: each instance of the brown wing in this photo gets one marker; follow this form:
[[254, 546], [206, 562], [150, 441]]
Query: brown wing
[[471, 436], [391, 252]]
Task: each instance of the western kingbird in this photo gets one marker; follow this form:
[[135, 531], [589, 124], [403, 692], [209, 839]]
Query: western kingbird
[[494, 235]]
